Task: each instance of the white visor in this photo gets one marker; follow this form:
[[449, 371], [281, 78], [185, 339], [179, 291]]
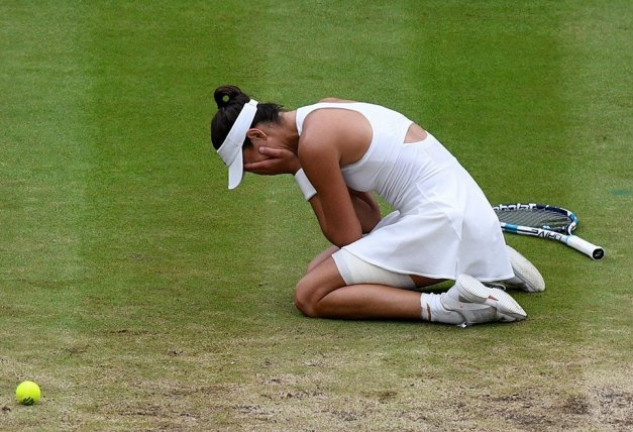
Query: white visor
[[231, 149]]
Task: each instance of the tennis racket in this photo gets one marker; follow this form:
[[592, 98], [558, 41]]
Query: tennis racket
[[545, 221]]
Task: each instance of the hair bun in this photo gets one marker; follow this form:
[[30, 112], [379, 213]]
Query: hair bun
[[226, 95]]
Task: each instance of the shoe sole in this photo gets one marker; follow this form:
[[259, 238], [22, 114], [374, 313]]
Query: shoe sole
[[525, 270], [475, 292]]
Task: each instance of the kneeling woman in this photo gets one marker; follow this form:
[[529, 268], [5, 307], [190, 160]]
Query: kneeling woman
[[443, 227]]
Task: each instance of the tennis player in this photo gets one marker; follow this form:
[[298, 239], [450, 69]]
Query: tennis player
[[442, 227]]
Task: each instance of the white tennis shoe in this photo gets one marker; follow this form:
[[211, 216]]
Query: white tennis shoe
[[526, 275], [477, 303]]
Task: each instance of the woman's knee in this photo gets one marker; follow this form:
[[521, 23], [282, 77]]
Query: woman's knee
[[316, 285], [304, 298]]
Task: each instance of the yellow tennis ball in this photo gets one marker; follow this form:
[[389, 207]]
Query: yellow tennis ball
[[28, 393]]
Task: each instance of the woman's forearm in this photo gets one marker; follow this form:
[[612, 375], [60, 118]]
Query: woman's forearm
[[367, 210]]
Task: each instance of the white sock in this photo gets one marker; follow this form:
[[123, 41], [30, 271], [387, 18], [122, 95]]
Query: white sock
[[434, 311]]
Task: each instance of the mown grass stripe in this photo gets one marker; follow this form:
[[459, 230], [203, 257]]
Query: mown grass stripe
[[43, 153], [598, 90], [44, 162]]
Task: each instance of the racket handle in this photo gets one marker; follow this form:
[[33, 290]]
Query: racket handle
[[590, 249]]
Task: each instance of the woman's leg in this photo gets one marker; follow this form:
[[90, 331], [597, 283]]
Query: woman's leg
[[322, 293]]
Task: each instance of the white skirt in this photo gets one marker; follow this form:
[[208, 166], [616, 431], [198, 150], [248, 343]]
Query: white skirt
[[448, 229]]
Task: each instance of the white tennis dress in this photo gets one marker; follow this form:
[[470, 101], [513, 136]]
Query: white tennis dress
[[443, 225]]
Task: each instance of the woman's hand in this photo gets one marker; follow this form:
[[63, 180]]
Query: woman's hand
[[278, 161]]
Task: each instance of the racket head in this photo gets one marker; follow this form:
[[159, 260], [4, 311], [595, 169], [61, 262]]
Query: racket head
[[536, 215]]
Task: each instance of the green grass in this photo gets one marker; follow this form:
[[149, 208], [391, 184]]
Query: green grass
[[142, 295]]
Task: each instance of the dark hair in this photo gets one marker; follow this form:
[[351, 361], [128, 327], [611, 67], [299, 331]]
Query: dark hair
[[230, 100]]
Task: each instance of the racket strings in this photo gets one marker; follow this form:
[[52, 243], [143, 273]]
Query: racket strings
[[537, 218]]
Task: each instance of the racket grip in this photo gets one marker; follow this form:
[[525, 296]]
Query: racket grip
[[589, 249]]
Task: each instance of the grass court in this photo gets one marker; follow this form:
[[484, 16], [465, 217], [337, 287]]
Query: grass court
[[142, 295]]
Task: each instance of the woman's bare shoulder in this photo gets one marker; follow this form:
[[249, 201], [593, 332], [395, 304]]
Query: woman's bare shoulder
[[335, 100]]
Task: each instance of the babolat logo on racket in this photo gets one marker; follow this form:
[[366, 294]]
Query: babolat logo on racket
[[548, 234], [515, 207]]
